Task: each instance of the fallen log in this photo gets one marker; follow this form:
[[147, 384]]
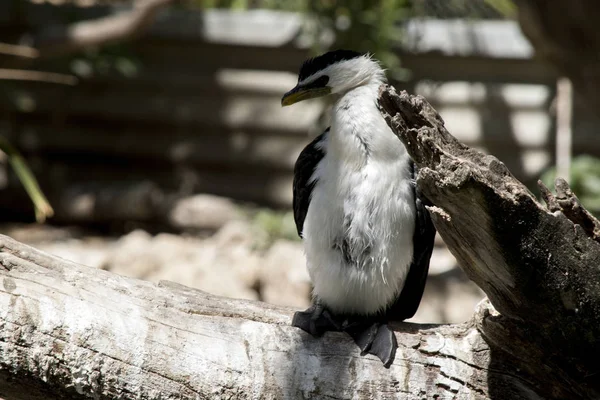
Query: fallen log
[[73, 331], [68, 331]]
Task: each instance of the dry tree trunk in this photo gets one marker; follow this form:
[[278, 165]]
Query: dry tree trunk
[[539, 269], [68, 331]]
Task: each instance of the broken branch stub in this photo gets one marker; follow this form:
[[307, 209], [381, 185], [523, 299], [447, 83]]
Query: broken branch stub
[[539, 270], [568, 203]]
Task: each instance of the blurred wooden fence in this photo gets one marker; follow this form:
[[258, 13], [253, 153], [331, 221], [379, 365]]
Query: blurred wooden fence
[[194, 106]]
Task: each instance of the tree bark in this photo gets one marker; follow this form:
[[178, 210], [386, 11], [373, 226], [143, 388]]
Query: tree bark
[[539, 269], [68, 331]]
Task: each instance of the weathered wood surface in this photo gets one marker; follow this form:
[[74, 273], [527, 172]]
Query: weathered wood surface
[[569, 204], [69, 331], [539, 270]]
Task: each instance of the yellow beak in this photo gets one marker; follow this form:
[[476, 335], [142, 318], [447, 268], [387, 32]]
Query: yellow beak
[[301, 93]]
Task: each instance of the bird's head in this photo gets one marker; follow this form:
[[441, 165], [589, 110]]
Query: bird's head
[[335, 72]]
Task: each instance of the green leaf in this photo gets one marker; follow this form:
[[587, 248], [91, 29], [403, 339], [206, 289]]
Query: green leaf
[[505, 7], [43, 209]]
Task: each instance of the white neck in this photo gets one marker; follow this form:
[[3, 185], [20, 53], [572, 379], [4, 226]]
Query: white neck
[[358, 130]]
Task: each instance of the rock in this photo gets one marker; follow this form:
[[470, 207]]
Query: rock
[[69, 243], [283, 276], [236, 233], [92, 253], [449, 297], [187, 260], [202, 212], [39, 233], [235, 244]]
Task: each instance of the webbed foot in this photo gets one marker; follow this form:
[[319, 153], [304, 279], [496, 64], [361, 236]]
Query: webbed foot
[[371, 335], [374, 337], [316, 320]]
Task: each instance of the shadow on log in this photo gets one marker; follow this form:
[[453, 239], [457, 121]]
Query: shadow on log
[[68, 331]]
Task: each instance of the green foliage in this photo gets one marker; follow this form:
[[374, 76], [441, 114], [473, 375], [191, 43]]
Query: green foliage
[[584, 180], [465, 9], [505, 7], [363, 25], [273, 225], [118, 60], [43, 209], [286, 5]]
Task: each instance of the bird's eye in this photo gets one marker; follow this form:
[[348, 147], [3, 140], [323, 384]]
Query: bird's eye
[[318, 83]]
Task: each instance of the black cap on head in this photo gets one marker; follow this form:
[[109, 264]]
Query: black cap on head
[[313, 65]]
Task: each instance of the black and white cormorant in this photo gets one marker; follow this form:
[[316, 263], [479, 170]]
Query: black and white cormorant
[[367, 236]]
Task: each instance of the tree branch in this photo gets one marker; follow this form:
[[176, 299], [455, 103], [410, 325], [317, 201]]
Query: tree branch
[[568, 203], [539, 270], [37, 76], [73, 331], [61, 40], [18, 50]]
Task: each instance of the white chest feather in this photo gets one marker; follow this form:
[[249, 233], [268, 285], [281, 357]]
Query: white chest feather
[[359, 226]]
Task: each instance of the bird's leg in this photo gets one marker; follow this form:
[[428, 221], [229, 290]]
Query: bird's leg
[[373, 336], [316, 320]]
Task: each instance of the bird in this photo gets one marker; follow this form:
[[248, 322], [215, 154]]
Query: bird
[[367, 235]]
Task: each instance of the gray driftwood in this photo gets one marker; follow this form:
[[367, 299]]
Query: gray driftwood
[[67, 331]]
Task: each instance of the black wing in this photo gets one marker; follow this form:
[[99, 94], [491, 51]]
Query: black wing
[[303, 170], [407, 303]]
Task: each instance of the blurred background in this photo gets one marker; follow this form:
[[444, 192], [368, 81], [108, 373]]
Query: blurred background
[[147, 137]]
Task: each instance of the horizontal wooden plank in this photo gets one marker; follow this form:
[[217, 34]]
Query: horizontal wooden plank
[[237, 146], [174, 76], [234, 111], [489, 123], [477, 69], [433, 66], [261, 186], [174, 63], [206, 57], [515, 130], [28, 13], [228, 148], [467, 37], [248, 27]]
